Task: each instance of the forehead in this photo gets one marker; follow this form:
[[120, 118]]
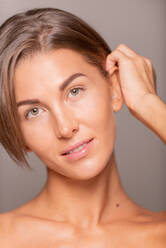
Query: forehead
[[58, 59], [42, 70]]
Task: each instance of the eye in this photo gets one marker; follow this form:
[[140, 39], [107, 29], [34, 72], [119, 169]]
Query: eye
[[75, 91], [33, 112]]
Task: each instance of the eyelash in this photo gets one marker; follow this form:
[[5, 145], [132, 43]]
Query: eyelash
[[30, 109], [77, 88]]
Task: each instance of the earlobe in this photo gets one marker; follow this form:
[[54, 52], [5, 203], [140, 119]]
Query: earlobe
[[115, 90]]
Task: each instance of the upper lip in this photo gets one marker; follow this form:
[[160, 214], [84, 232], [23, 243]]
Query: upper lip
[[73, 147]]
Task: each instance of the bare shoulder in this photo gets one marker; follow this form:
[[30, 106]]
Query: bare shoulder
[[154, 227], [159, 227], [5, 229], [14, 229], [20, 228], [5, 219]]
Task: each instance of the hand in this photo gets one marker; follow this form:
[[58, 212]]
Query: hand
[[138, 84], [136, 75]]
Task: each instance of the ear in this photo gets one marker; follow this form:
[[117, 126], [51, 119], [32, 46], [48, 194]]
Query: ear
[[116, 95]]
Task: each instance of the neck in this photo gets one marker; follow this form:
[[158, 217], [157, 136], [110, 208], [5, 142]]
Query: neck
[[89, 202]]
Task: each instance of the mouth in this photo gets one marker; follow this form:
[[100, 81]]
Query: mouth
[[79, 152], [76, 148]]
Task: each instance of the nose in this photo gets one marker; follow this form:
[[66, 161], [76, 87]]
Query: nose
[[65, 124]]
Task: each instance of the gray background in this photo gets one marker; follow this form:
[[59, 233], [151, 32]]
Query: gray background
[[141, 156]]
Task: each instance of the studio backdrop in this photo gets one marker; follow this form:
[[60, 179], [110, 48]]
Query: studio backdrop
[[141, 155]]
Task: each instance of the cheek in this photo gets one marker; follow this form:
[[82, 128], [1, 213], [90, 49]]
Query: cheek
[[37, 135], [103, 122], [97, 112]]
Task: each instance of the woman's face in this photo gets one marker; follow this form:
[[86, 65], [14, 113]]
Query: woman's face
[[53, 117]]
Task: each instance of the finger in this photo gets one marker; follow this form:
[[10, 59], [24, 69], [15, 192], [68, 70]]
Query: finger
[[115, 59], [155, 78], [127, 51], [148, 61], [152, 71]]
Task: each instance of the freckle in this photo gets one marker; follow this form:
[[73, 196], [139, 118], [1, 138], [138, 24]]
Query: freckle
[[117, 205]]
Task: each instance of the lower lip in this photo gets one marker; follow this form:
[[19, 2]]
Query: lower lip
[[80, 154]]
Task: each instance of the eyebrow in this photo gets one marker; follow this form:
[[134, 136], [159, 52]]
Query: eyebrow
[[61, 88]]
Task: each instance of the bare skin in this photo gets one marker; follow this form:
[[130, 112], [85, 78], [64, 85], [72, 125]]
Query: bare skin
[[83, 203], [138, 83]]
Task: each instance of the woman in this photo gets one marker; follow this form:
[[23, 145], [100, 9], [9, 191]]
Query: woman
[[60, 87]]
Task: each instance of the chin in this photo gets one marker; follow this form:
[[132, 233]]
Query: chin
[[89, 169], [86, 168]]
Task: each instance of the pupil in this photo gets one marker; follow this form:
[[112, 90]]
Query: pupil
[[34, 110], [74, 91]]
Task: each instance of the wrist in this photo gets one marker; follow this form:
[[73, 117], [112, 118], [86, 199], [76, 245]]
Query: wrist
[[152, 112], [146, 109], [145, 106]]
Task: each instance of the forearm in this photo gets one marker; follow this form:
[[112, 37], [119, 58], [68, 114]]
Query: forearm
[[152, 112]]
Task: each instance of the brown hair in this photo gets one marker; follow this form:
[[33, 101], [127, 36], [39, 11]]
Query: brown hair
[[26, 33]]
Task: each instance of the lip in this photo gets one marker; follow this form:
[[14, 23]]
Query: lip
[[81, 153], [73, 147]]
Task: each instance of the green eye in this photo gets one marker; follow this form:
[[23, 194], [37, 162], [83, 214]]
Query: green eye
[[32, 113], [75, 91]]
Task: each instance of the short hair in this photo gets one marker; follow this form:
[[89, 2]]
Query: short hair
[[26, 33]]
